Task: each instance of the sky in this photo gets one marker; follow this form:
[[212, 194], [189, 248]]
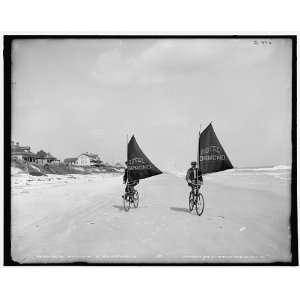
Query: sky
[[86, 95]]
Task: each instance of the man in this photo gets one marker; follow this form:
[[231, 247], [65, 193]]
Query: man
[[191, 175], [130, 183]]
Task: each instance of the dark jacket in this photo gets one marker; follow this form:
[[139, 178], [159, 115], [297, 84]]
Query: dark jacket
[[191, 175], [125, 178]]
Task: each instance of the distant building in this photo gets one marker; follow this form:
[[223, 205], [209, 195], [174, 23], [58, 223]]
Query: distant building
[[46, 159], [119, 166], [88, 159], [22, 152], [70, 161]]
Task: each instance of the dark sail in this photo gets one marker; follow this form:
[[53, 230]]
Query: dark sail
[[212, 157], [138, 164]]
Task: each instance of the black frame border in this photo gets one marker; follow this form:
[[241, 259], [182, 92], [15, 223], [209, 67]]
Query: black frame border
[[7, 43]]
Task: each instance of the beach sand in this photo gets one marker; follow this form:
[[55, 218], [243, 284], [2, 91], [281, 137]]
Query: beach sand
[[245, 220]]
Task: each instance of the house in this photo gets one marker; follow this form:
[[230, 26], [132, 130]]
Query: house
[[119, 166], [22, 152], [88, 159], [70, 161], [44, 158]]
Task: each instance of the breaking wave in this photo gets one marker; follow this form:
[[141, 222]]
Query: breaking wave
[[273, 168]]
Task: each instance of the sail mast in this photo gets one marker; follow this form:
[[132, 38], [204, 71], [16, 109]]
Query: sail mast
[[198, 156], [127, 156]]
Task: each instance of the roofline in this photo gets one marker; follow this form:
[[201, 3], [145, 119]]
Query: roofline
[[24, 153], [89, 155]]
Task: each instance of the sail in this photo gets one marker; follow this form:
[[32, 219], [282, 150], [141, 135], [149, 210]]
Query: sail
[[138, 164], [211, 155]]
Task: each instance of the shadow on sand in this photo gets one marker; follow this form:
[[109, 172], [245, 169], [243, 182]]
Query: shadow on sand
[[180, 209], [120, 207]]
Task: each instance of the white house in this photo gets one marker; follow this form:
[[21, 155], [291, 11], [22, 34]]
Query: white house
[[88, 159]]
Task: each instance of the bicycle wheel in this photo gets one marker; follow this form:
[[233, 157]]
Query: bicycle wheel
[[191, 201], [136, 199], [126, 202], [200, 204]]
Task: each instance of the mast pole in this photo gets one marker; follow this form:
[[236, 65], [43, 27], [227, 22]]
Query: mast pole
[[126, 149], [126, 146], [198, 156], [127, 157]]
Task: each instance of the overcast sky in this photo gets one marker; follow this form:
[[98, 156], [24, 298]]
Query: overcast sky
[[73, 96]]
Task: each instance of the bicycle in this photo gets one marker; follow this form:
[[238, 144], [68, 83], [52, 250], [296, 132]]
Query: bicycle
[[196, 199], [131, 197]]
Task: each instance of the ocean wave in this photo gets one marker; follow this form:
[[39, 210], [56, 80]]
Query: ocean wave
[[278, 171], [278, 167]]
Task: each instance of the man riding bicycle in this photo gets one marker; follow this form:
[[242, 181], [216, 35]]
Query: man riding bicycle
[[130, 184], [191, 175]]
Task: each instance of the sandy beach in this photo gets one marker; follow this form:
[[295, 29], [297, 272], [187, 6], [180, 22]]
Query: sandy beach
[[81, 219]]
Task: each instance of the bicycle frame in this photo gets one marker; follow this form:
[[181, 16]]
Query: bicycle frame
[[130, 189], [131, 196], [196, 199], [196, 189]]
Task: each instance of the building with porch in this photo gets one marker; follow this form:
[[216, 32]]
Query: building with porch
[[46, 159], [22, 152], [70, 161]]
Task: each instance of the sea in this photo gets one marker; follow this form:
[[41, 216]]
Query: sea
[[282, 172]]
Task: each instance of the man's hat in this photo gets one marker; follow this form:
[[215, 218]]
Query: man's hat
[[193, 163]]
